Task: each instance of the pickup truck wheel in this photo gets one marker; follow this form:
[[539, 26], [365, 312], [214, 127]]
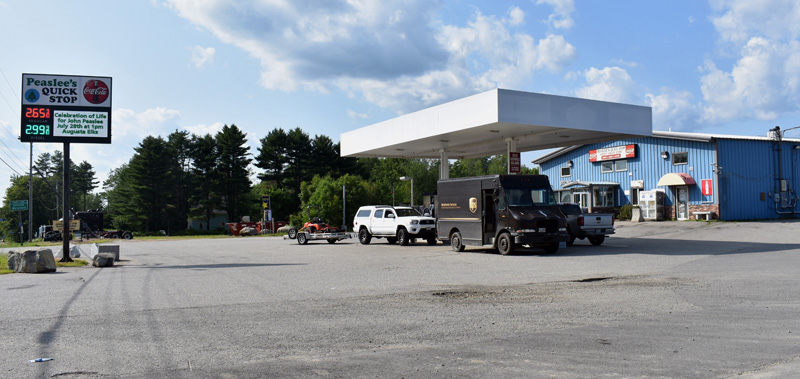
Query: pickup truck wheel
[[504, 244], [391, 240], [302, 238], [597, 240], [456, 243], [364, 236], [127, 235], [292, 233], [551, 248], [432, 241], [571, 239], [402, 237]]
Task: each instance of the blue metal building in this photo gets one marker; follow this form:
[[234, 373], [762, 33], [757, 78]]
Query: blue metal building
[[691, 175]]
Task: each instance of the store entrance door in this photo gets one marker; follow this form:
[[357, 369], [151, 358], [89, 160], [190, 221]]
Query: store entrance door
[[683, 203], [581, 198]]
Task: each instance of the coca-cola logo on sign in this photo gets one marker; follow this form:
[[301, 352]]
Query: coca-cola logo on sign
[[95, 91]]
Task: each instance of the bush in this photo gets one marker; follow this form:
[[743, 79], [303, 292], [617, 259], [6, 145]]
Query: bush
[[298, 219], [625, 212]]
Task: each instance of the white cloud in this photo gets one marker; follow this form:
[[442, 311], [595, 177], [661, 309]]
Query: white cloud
[[764, 81], [203, 129], [202, 55], [354, 115], [608, 84], [672, 110], [762, 84], [516, 16], [743, 19], [135, 126], [562, 18], [622, 62], [399, 56]]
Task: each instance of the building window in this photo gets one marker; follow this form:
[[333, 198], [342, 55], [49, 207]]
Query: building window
[[603, 196], [566, 171], [680, 158], [607, 166], [621, 165]]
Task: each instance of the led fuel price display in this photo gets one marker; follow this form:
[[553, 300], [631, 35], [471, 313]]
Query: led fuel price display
[[37, 123]]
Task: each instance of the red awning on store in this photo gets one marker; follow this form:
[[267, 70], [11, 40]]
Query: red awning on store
[[676, 179]]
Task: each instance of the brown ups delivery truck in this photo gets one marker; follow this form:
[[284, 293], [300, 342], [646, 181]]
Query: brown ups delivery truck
[[502, 211]]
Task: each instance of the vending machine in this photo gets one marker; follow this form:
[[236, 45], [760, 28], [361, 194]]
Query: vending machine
[[652, 205]]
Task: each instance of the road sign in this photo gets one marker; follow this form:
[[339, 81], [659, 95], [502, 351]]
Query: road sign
[[73, 225], [18, 205]]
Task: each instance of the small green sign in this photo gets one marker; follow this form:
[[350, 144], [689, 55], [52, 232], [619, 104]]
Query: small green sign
[[19, 205]]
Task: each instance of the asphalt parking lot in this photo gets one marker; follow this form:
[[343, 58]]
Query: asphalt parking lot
[[658, 299]]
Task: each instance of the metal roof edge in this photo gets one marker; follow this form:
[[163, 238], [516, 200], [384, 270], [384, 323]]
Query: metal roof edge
[[701, 137], [563, 150]]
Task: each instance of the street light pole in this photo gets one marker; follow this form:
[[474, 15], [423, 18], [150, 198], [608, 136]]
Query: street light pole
[[408, 178]]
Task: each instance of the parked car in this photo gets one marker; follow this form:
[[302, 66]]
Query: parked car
[[397, 224], [592, 226]]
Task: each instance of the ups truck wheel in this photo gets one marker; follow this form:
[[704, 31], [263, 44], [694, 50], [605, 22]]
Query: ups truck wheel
[[504, 244], [402, 237], [551, 248], [302, 238], [456, 243], [597, 240], [364, 237], [432, 241]]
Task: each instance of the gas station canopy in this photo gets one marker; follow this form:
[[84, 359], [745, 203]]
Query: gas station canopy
[[496, 122]]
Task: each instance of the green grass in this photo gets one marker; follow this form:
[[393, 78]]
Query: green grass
[[4, 264], [74, 263]]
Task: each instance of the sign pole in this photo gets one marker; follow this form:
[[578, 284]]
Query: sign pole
[[21, 230], [271, 220], [30, 197], [65, 232]]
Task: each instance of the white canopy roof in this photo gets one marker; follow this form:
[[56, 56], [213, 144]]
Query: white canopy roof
[[485, 124]]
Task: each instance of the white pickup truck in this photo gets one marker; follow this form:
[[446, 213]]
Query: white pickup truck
[[592, 226], [396, 224]]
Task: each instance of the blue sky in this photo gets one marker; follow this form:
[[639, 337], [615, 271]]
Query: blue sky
[[328, 67]]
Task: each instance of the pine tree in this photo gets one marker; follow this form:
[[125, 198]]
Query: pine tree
[[205, 178], [232, 169], [273, 157], [151, 173]]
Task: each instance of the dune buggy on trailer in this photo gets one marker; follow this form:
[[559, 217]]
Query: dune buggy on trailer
[[316, 229]]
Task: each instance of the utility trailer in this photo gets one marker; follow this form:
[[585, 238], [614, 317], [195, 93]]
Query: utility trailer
[[316, 229], [303, 236]]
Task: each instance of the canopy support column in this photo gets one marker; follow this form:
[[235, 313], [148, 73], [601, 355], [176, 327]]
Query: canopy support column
[[444, 165]]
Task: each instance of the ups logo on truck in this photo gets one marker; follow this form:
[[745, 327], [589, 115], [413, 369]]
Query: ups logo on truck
[[473, 204]]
